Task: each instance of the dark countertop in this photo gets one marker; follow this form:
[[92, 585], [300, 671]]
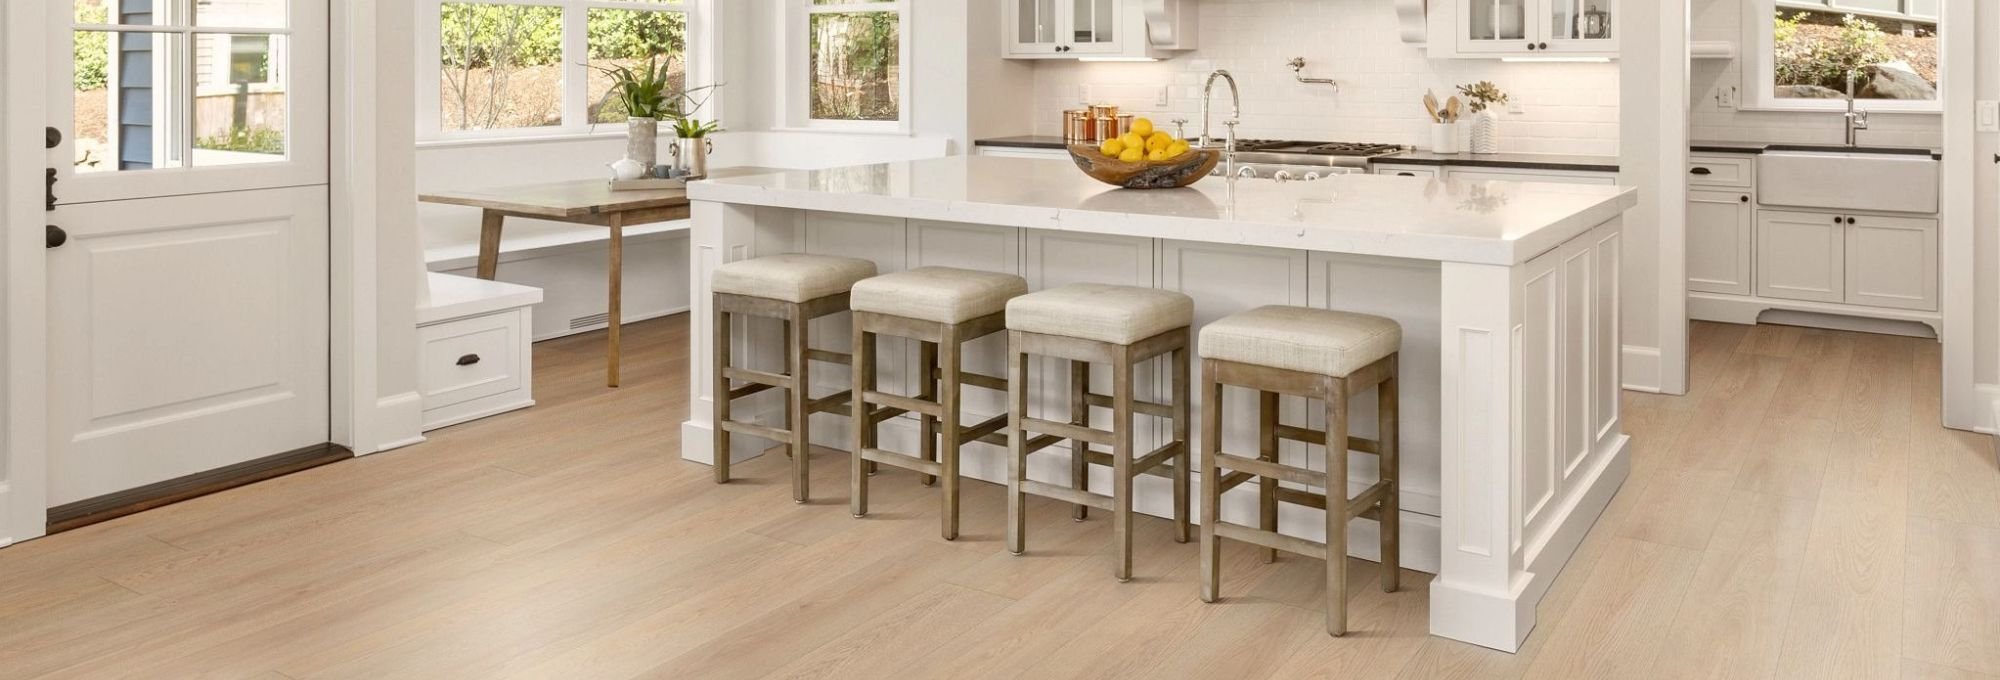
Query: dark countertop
[[1519, 161], [1024, 142], [1704, 146], [1761, 147]]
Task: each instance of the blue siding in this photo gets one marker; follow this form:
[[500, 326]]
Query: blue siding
[[135, 88]]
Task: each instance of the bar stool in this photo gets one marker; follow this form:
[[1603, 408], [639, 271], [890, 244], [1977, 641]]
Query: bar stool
[[1121, 326], [1317, 354], [941, 308], [795, 289]]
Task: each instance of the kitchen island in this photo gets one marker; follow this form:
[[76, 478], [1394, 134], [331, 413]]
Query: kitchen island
[[1507, 293]]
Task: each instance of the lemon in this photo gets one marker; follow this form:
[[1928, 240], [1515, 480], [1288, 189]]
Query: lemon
[[1143, 127], [1112, 147], [1132, 155], [1158, 141], [1158, 155], [1177, 148], [1133, 141]]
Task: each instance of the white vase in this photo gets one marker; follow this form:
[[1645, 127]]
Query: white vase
[[1444, 138], [642, 141], [1485, 133]]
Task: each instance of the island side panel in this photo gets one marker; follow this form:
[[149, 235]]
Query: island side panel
[[1533, 449]]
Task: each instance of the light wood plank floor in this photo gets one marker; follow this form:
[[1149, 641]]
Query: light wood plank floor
[[1800, 515]]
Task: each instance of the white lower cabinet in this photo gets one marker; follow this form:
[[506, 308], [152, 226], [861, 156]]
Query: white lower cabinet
[[476, 350], [1801, 256], [1511, 175], [1023, 152], [1720, 227], [1892, 262]]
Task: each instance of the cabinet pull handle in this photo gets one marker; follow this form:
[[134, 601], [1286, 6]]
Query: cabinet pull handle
[[468, 360], [1850, 220], [1836, 219], [1701, 171], [1746, 198], [1545, 46], [1531, 46], [1406, 174]]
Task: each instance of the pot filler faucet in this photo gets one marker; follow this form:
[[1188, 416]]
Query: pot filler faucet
[[1235, 117], [1856, 120]]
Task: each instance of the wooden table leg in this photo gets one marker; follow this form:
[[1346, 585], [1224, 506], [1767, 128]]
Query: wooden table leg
[[489, 244], [612, 310]]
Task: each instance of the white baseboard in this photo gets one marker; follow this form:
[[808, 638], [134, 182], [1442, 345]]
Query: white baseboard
[[1641, 368], [1991, 394], [1749, 310], [402, 422]]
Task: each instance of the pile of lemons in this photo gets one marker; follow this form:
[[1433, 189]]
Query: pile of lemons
[[1142, 142]]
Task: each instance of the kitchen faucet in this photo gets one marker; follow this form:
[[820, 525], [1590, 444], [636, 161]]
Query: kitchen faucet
[[1235, 117], [1856, 120]]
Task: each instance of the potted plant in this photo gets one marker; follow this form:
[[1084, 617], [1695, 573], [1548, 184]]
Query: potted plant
[[645, 94], [691, 143], [1484, 96]]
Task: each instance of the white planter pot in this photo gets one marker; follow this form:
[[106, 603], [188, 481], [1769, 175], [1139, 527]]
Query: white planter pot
[[1444, 138], [642, 141], [1485, 133]]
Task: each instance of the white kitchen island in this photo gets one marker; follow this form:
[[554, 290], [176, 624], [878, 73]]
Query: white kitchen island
[[1507, 293]]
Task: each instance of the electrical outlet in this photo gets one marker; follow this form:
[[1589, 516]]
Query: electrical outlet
[[1514, 105], [1725, 97], [1988, 116], [1083, 94], [1160, 96]]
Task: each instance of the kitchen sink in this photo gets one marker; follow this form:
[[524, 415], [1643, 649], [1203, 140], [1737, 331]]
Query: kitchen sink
[[1844, 178]]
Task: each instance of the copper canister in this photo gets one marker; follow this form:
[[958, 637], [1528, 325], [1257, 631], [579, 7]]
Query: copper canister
[[1105, 128], [1104, 110], [1077, 127], [1125, 123]]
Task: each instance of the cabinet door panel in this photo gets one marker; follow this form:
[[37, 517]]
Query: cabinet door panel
[[1494, 26], [1801, 256], [1892, 262], [1719, 242], [1033, 26]]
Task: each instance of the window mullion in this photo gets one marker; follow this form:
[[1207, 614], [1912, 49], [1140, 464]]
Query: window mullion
[[576, 78]]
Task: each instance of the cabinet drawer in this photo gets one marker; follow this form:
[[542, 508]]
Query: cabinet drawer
[[1551, 176], [1721, 171], [1424, 171], [473, 358], [1023, 152]]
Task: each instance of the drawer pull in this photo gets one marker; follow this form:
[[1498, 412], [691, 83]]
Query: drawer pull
[[468, 360], [1702, 171], [1406, 174]]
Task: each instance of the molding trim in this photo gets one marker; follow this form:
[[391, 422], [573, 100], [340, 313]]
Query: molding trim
[[400, 419], [112, 506], [1989, 395], [1642, 368]]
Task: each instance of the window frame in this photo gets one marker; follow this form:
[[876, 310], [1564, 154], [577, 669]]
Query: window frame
[[700, 51], [795, 98], [1758, 67]]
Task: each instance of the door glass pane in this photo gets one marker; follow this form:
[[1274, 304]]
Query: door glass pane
[[1497, 20], [1562, 20], [1103, 21], [502, 66], [125, 118], [854, 66], [239, 99], [240, 13], [125, 12], [635, 40]]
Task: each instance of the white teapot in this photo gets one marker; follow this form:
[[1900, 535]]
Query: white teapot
[[626, 169]]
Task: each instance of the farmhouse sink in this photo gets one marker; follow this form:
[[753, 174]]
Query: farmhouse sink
[[1848, 179]]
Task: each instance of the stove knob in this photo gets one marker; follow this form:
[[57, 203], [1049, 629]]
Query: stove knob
[[1282, 176], [1246, 172], [1312, 176]]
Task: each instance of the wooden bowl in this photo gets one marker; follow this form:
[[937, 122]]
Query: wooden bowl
[[1175, 172]]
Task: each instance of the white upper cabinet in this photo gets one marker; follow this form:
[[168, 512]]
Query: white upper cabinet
[[1108, 29], [1484, 29]]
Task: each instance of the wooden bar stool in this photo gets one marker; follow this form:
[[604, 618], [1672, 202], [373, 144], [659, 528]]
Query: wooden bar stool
[[1121, 326], [1317, 354], [941, 308], [795, 289]]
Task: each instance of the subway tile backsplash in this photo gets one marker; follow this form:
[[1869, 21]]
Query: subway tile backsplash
[[1567, 107]]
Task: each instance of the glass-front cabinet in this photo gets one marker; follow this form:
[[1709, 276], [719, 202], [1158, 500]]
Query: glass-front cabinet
[[1525, 28], [1056, 29]]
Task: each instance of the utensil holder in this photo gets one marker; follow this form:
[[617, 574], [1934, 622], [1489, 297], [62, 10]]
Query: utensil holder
[[1444, 138]]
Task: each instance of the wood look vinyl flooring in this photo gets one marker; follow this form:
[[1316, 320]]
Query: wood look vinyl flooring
[[1799, 515]]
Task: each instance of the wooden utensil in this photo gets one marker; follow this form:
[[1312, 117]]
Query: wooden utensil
[[1431, 107], [1451, 108]]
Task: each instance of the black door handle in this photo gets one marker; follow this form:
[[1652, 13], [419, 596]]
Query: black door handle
[[51, 206], [468, 360], [1701, 171], [57, 237], [53, 138]]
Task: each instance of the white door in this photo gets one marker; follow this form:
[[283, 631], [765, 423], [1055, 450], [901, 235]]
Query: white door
[[188, 313]]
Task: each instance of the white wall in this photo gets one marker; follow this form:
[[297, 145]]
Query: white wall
[[1986, 224], [1568, 107], [1723, 20]]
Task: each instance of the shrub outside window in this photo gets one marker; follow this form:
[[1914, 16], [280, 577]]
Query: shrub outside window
[[851, 73], [1808, 53]]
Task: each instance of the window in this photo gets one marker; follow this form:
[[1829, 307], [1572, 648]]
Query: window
[[848, 65], [1805, 54], [527, 67]]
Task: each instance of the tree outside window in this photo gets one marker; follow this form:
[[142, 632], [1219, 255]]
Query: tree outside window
[[1816, 52], [854, 60], [504, 66]]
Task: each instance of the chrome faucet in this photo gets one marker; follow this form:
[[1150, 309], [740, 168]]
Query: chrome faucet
[[1235, 116], [1856, 120]]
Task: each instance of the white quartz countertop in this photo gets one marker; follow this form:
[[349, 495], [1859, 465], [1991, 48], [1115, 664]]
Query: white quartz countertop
[[1480, 222]]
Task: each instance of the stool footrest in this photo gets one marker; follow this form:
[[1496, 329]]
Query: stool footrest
[[830, 356], [747, 390], [881, 414], [1035, 443], [1141, 407], [911, 463], [1271, 539], [1318, 437], [907, 404], [1236, 479], [772, 433], [1371, 510], [1066, 494], [990, 382], [758, 377], [1263, 468], [1371, 499], [1067, 431], [990, 426], [1160, 455], [832, 403]]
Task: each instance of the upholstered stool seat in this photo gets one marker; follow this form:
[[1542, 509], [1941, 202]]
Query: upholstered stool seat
[[1317, 341], [1120, 327], [1120, 315], [793, 289], [790, 277], [1324, 356], [940, 294]]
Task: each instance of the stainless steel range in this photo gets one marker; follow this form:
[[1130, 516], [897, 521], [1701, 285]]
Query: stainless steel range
[[1286, 160]]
